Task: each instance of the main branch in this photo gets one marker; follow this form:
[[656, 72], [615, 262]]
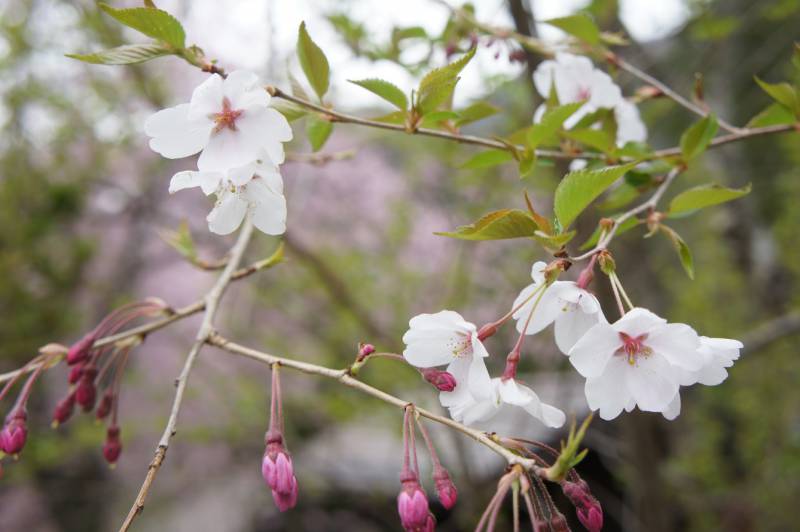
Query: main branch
[[206, 329]]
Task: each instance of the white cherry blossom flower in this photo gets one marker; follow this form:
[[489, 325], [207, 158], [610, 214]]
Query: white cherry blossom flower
[[574, 310], [635, 362], [717, 354], [509, 392], [229, 120], [574, 79], [630, 127], [255, 189], [445, 338]]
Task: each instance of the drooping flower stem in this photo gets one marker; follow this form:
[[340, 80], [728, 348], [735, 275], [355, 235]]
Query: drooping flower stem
[[22, 371], [276, 407], [490, 328], [615, 279], [512, 361], [617, 297]]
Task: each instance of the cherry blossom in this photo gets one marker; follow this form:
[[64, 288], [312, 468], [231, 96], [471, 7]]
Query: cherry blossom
[[573, 309], [504, 392], [228, 120], [255, 189], [446, 338], [633, 362]]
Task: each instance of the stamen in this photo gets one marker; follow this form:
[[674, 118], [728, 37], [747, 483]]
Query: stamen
[[227, 117]]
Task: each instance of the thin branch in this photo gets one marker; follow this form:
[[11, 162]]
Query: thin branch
[[342, 376], [670, 93], [771, 331], [212, 300]]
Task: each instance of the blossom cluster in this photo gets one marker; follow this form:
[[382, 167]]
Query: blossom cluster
[[640, 360], [240, 140]]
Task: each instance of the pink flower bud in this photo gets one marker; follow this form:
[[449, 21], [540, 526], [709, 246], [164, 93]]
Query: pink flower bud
[[442, 380], [112, 448], [364, 350], [558, 523], [412, 504], [586, 276], [86, 393], [445, 489], [64, 410], [587, 507], [79, 351], [486, 331], [286, 501], [106, 402], [15, 432], [75, 373]]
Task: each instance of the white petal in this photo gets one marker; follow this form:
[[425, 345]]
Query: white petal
[[478, 380], [630, 127], [515, 394], [228, 149], [241, 175], [207, 98], [638, 321], [543, 77], [268, 208], [227, 214], [651, 383], [271, 176], [712, 375], [537, 271], [678, 343], [208, 181], [237, 85], [548, 308], [605, 93], [594, 350], [608, 393], [175, 136], [673, 409], [571, 326]]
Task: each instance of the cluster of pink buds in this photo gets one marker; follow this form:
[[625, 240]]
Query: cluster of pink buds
[[412, 502], [589, 511], [97, 372], [14, 433], [276, 465]]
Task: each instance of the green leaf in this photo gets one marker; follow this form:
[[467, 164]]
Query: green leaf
[[289, 110], [705, 196], [180, 240], [625, 226], [313, 61], [581, 26], [578, 189], [497, 225], [154, 23], [694, 140], [487, 159], [318, 131], [684, 253], [437, 86], [124, 55], [554, 242], [551, 122], [783, 93], [773, 115], [388, 91], [527, 163], [594, 138], [397, 117], [474, 112]]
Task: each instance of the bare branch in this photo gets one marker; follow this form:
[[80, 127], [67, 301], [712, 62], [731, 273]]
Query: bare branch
[[212, 300]]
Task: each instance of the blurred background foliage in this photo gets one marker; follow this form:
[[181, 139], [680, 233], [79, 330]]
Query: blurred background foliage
[[81, 199]]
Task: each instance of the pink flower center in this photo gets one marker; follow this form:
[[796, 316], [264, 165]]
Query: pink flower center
[[227, 117], [584, 93], [633, 347], [460, 345]]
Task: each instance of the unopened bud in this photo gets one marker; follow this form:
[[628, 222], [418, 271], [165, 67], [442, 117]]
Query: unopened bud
[[79, 351], [647, 92], [558, 523], [606, 224], [446, 491], [442, 380], [654, 219], [587, 507], [106, 402], [15, 432], [64, 410], [112, 448], [586, 276], [364, 350], [86, 393], [286, 501], [75, 373], [486, 331], [606, 262], [278, 472], [412, 504], [53, 350]]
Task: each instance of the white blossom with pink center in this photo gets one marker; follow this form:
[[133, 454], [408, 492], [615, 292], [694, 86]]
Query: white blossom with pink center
[[445, 338], [229, 120], [573, 309], [635, 361], [504, 393], [254, 190]]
